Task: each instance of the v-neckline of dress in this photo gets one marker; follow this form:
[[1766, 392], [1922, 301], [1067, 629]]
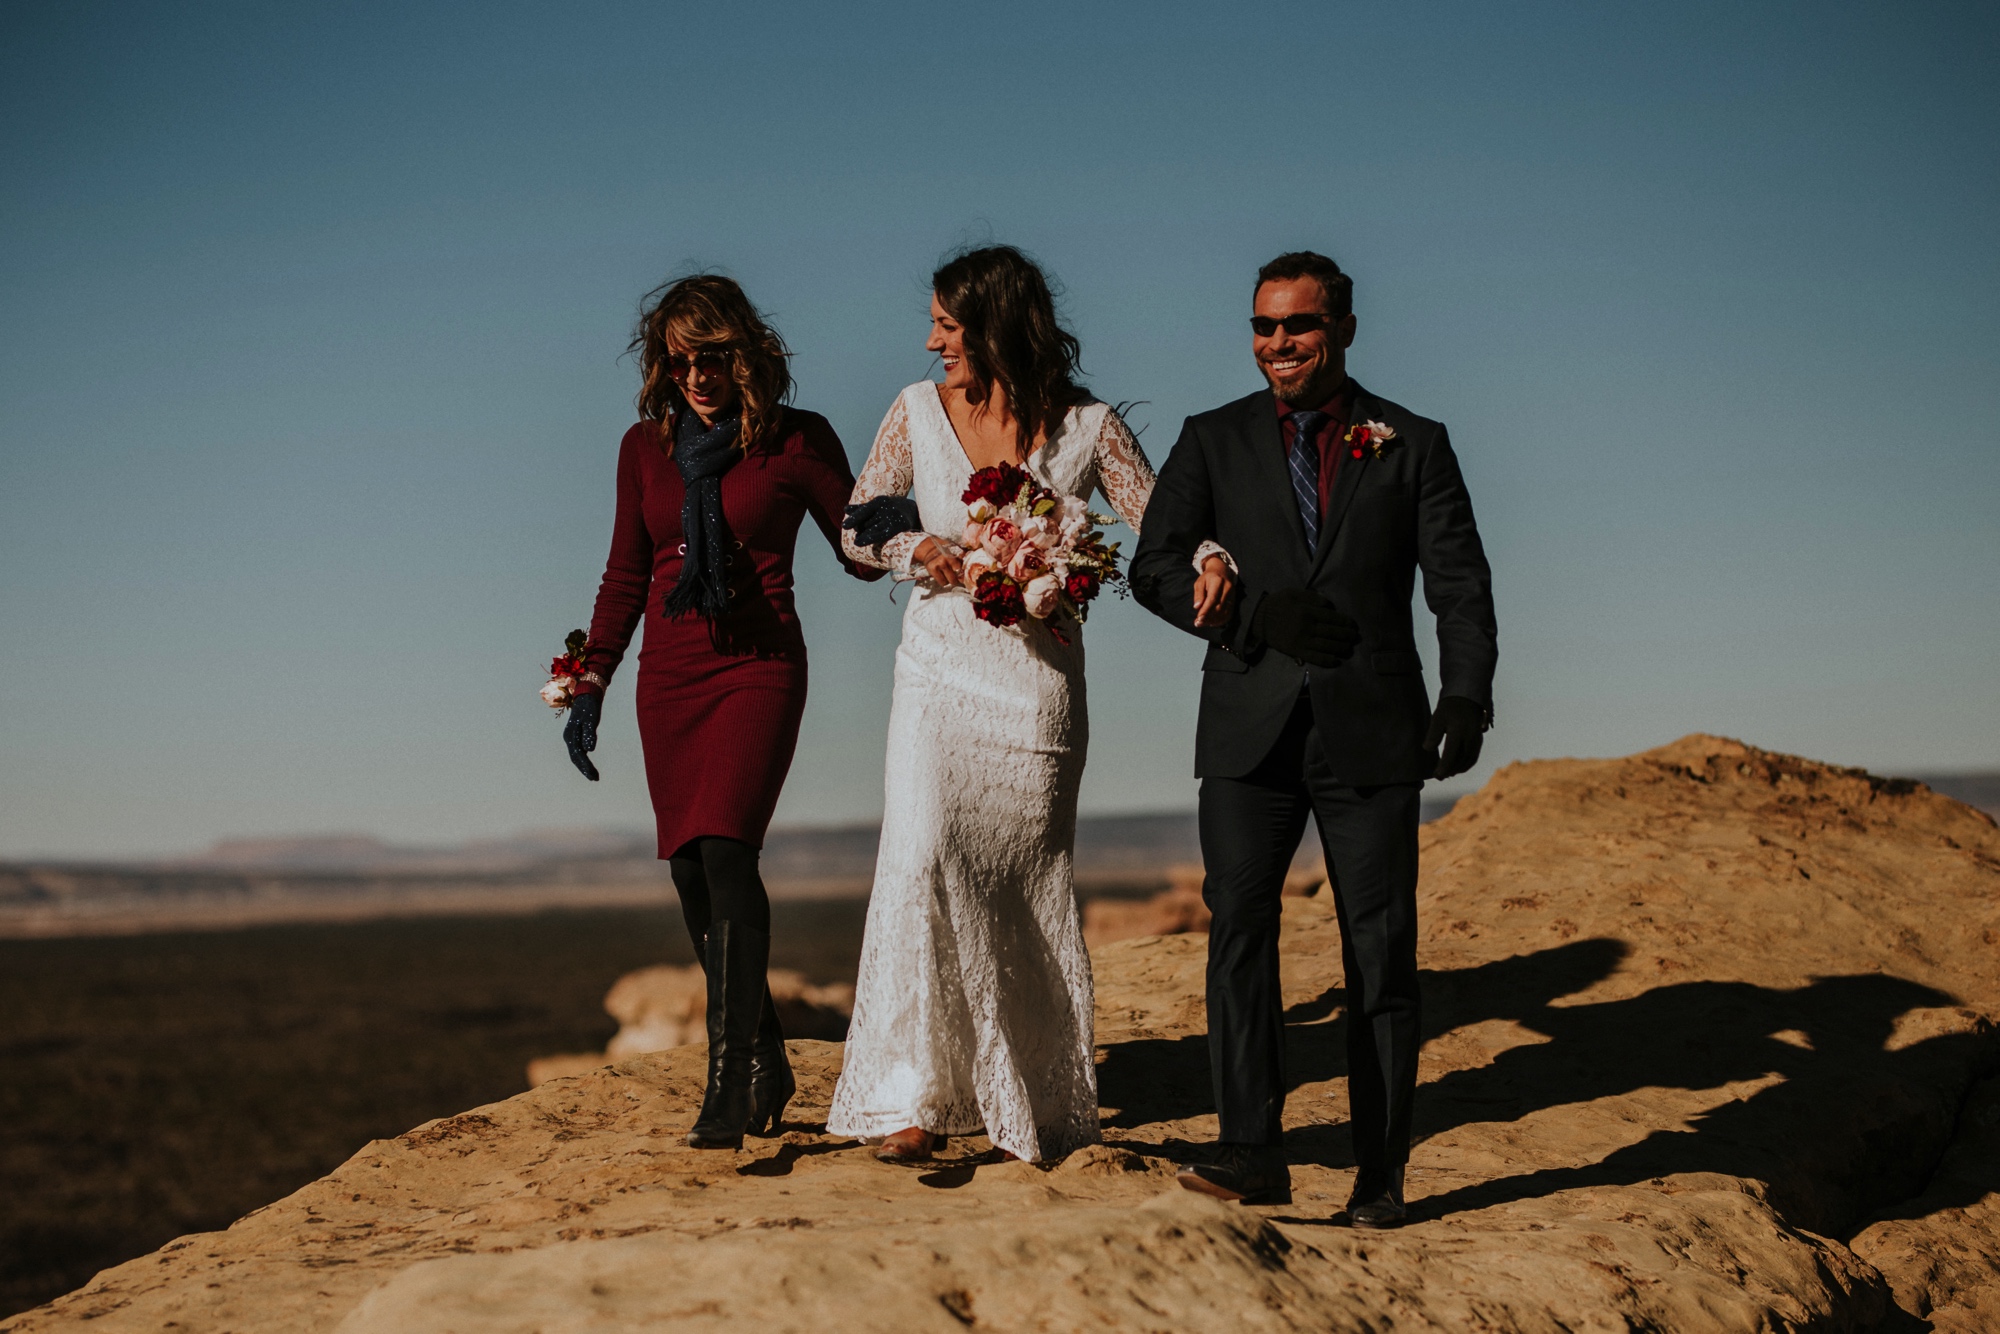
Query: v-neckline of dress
[[963, 452]]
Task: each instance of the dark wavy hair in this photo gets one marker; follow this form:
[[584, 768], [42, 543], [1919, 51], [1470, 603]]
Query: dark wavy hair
[[1012, 337], [709, 313], [1335, 285]]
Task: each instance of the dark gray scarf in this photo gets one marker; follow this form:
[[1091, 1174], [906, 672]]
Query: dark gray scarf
[[703, 455]]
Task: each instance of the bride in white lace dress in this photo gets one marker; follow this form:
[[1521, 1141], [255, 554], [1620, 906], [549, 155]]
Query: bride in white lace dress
[[974, 1003]]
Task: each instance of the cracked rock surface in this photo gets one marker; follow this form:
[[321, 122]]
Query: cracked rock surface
[[1710, 1048]]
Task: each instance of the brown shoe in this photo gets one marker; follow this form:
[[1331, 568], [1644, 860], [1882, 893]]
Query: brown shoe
[[911, 1146], [1241, 1172]]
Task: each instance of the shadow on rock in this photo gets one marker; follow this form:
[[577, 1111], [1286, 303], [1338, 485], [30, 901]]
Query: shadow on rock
[[1851, 1112], [1855, 1094], [1149, 1080]]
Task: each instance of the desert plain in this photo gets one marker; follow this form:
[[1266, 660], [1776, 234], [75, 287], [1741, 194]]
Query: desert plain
[[1711, 1046]]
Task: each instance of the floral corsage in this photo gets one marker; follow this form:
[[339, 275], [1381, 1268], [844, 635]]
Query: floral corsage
[[1371, 436], [566, 670]]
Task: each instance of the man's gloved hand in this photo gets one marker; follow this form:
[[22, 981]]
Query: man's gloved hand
[[1300, 622], [874, 522], [580, 732], [1459, 724]]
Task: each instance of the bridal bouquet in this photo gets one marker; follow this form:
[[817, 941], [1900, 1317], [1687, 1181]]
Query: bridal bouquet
[[565, 670], [1031, 552]]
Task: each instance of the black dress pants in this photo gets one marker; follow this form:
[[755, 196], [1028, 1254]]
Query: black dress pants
[[1250, 828]]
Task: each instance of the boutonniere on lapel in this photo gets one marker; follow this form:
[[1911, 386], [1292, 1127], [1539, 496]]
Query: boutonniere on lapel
[[1374, 437]]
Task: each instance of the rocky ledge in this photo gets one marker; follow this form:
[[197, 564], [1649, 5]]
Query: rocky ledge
[[1710, 1050]]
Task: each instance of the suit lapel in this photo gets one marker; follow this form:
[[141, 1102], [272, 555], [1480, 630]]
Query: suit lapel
[[1269, 475], [1361, 407]]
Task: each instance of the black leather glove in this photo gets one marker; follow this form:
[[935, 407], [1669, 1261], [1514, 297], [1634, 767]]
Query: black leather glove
[[1460, 724], [580, 732], [1300, 622], [874, 522]]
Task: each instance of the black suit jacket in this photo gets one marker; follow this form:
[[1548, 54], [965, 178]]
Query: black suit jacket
[[1386, 519]]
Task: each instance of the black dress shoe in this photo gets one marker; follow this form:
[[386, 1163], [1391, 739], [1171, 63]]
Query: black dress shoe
[[1378, 1215], [1377, 1209], [1242, 1172]]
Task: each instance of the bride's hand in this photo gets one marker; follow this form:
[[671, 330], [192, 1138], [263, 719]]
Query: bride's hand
[[941, 562], [1214, 588]]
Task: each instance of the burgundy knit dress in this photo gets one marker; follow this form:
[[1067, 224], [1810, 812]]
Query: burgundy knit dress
[[719, 700]]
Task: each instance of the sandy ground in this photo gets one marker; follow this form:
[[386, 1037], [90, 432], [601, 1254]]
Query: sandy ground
[[1708, 1030]]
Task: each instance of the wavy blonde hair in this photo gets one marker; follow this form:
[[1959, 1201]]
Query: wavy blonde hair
[[709, 313]]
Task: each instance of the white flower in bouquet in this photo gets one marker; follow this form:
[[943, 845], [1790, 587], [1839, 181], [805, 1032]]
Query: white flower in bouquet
[[1043, 594], [1073, 517], [557, 692], [1044, 531], [979, 511]]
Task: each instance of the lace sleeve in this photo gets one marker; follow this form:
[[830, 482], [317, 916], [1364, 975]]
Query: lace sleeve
[[1126, 478], [888, 472], [1123, 473]]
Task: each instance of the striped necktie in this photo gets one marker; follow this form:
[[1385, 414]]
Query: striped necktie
[[1304, 462]]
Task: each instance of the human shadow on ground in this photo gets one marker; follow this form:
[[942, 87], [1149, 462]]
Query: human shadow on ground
[[1836, 1123], [780, 1163], [1150, 1080]]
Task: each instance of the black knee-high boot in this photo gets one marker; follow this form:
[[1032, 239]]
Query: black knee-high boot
[[737, 958], [771, 1082]]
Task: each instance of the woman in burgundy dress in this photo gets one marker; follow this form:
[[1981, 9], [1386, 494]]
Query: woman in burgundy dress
[[713, 484]]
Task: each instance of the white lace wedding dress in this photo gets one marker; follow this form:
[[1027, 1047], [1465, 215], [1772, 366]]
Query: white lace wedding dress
[[974, 1004]]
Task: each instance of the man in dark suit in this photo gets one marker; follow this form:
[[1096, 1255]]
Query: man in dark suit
[[1329, 500]]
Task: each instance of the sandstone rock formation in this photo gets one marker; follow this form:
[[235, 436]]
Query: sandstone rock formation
[[1708, 1030], [1173, 911], [666, 1006]]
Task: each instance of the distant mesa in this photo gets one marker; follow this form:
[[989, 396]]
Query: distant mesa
[[1120, 859], [361, 854]]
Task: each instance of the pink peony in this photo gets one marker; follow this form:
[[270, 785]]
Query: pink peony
[[1002, 537], [1042, 595], [974, 534], [978, 561], [1029, 561]]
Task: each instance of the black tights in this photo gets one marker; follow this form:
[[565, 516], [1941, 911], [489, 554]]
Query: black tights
[[718, 882]]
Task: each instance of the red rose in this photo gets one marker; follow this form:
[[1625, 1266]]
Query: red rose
[[1081, 586], [997, 485], [997, 600]]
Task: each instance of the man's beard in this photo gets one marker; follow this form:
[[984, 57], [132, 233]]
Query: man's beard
[[1307, 389]]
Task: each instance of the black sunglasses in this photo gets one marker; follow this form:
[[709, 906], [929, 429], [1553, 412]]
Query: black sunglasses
[[713, 363], [1264, 326]]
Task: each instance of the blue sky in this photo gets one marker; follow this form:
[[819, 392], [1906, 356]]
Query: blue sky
[[310, 385]]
